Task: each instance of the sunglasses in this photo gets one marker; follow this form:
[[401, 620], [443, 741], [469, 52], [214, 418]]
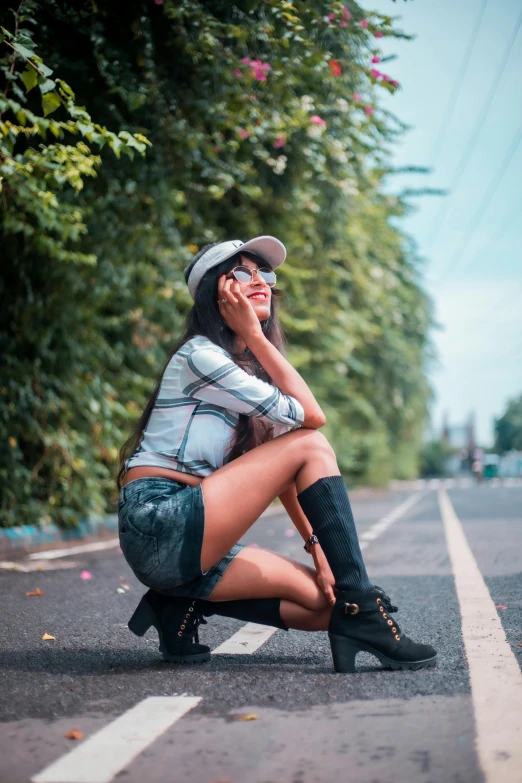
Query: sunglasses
[[244, 274]]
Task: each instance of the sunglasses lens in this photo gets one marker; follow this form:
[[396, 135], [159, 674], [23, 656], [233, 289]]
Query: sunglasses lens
[[242, 274], [268, 276]]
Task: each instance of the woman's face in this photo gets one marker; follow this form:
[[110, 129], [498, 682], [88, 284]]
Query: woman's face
[[257, 292]]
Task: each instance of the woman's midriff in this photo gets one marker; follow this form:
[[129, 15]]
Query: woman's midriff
[[152, 472]]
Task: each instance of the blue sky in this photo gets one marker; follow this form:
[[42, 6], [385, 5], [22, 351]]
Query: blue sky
[[472, 245]]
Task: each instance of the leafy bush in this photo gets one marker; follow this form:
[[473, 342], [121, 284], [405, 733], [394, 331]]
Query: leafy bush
[[235, 119]]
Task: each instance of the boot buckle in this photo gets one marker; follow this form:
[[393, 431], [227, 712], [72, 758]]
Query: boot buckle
[[351, 609]]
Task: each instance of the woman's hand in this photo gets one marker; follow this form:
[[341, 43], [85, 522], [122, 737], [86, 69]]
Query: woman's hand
[[236, 310], [324, 576]]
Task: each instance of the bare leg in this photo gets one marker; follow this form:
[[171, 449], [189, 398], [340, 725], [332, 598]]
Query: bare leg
[[258, 573], [236, 495]]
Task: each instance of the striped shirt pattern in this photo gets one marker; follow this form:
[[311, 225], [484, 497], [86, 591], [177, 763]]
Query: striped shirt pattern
[[202, 393]]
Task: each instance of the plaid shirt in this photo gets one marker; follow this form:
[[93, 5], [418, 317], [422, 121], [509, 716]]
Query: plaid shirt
[[202, 393]]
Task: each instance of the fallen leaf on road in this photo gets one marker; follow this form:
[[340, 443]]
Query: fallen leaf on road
[[250, 716], [73, 734], [85, 575], [125, 587], [500, 606], [289, 533], [48, 638], [34, 592], [120, 590]]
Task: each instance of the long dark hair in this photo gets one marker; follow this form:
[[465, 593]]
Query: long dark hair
[[205, 319]]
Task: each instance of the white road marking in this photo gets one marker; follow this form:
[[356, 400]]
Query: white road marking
[[35, 565], [96, 546], [392, 516], [496, 680], [112, 748], [246, 641]]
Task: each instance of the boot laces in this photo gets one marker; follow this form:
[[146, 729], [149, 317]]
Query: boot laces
[[387, 605], [386, 602], [191, 622]]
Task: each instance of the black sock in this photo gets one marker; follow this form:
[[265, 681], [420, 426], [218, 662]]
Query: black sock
[[327, 508], [252, 610]]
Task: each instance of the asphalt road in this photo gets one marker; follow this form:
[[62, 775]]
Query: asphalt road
[[311, 724]]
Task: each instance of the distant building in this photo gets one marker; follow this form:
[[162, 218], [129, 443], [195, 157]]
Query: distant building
[[461, 437]]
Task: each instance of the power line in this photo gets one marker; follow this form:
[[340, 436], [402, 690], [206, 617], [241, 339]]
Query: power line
[[453, 262], [505, 225], [441, 214], [452, 102], [515, 350], [478, 323]]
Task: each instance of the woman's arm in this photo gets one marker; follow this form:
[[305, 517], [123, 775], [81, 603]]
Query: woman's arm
[[239, 314], [286, 378]]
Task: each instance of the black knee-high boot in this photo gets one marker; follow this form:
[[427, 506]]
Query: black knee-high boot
[[327, 508], [361, 618]]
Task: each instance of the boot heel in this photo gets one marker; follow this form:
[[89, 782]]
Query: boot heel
[[142, 619], [343, 653]]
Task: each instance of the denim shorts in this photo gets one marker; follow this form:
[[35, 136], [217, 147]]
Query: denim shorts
[[161, 525]]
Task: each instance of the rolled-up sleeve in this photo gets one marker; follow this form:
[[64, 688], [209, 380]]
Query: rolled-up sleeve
[[212, 376]]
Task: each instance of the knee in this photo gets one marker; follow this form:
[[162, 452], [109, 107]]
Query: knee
[[318, 603], [317, 443]]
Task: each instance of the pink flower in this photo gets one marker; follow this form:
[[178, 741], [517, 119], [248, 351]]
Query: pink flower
[[345, 12], [375, 73], [368, 110], [280, 141], [376, 59], [238, 73], [356, 96], [364, 23], [394, 83], [343, 23], [216, 149], [317, 120], [158, 2], [385, 78], [379, 34], [245, 60], [242, 133], [331, 16], [259, 70]]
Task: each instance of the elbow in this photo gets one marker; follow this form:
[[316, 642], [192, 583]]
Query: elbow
[[315, 421]]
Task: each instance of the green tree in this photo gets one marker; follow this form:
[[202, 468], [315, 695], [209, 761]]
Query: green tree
[[434, 457], [508, 429], [263, 118]]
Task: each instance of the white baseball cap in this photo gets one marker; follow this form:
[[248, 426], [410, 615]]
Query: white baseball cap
[[267, 248]]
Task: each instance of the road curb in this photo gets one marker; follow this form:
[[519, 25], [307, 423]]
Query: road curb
[[33, 537]]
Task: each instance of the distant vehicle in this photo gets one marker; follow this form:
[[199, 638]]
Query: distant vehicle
[[491, 463]]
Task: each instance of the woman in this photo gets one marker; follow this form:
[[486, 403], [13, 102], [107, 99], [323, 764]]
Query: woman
[[230, 426]]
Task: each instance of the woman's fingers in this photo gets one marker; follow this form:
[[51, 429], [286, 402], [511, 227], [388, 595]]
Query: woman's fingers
[[227, 292]]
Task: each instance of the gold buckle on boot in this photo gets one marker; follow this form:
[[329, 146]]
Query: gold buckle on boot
[[354, 609]]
